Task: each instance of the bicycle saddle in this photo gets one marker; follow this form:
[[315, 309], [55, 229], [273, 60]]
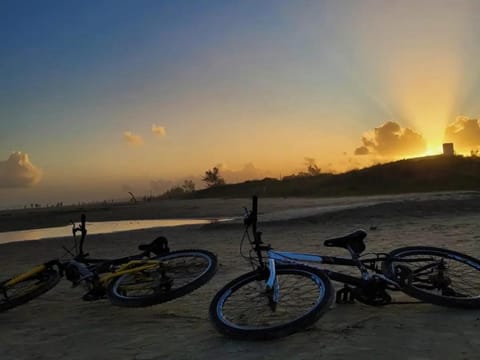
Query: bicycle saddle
[[158, 246], [353, 241]]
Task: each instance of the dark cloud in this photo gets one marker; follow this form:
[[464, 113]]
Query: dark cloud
[[392, 141], [18, 171], [362, 150], [464, 133]]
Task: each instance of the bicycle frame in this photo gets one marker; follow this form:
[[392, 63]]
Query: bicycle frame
[[36, 270], [363, 265], [368, 268], [371, 277], [122, 266], [133, 266], [32, 272]]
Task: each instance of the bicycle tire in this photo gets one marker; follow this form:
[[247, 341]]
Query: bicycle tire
[[445, 285], [116, 289], [40, 282], [248, 324]]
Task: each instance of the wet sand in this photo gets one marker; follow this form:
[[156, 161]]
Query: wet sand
[[59, 325]]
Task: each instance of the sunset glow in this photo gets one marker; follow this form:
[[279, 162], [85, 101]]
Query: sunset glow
[[99, 105]]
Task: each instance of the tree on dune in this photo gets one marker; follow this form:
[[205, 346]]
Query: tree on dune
[[212, 177]]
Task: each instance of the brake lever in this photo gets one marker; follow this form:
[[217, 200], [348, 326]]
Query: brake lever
[[247, 217], [74, 227]]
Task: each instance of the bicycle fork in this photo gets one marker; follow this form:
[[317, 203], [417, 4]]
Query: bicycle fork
[[272, 287]]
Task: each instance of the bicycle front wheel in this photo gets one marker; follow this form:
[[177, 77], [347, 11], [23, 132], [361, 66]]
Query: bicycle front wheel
[[438, 276], [177, 274], [244, 308], [28, 288]]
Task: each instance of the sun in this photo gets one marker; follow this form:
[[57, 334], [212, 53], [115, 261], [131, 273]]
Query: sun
[[429, 152], [435, 148]]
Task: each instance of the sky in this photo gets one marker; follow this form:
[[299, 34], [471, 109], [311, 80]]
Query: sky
[[99, 98]]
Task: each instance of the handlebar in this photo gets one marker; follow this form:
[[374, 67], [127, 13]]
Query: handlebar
[[254, 204], [254, 214], [251, 220], [83, 229], [251, 216]]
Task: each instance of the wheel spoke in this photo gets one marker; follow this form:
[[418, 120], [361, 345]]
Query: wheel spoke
[[250, 305], [27, 289], [438, 272], [173, 275]]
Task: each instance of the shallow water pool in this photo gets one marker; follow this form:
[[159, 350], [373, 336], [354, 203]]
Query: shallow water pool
[[102, 227]]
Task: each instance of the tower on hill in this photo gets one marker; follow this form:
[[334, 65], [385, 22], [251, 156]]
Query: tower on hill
[[448, 149]]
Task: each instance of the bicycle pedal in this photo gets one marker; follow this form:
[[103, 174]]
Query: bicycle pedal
[[345, 296], [94, 295]]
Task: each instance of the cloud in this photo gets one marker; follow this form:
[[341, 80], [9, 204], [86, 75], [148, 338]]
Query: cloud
[[18, 171], [159, 130], [464, 133], [132, 139], [160, 186], [248, 172], [390, 140], [362, 150]]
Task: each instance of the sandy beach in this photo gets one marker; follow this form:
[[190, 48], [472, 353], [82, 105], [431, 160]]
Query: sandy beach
[[59, 325]]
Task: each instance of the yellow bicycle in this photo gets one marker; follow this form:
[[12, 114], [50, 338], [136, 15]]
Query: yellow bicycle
[[151, 277]]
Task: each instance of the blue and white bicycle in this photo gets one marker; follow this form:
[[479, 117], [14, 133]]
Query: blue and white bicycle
[[283, 294]]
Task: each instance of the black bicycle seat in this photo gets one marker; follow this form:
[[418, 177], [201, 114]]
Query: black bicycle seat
[[158, 246], [353, 241]]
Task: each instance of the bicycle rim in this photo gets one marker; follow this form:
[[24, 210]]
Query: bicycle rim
[[177, 273], [244, 308], [28, 289], [435, 275]]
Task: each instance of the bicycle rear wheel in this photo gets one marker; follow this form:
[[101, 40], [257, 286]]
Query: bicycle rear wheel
[[27, 289], [438, 276], [178, 273], [244, 309]]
